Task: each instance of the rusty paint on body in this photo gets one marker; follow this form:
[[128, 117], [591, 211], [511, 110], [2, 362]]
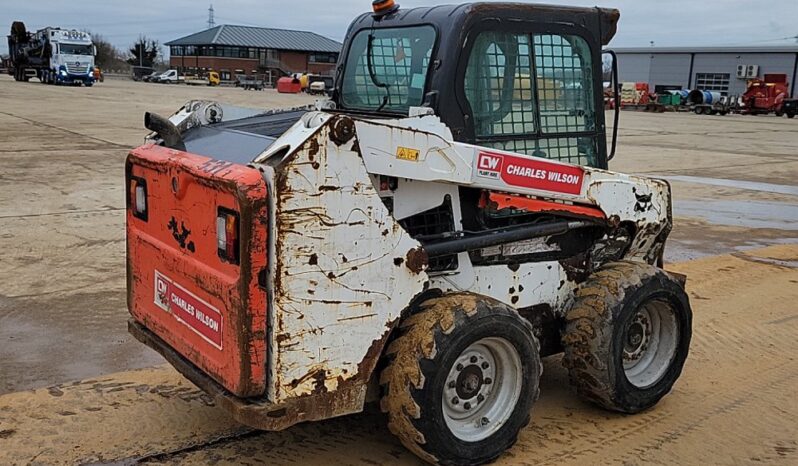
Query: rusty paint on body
[[337, 288]]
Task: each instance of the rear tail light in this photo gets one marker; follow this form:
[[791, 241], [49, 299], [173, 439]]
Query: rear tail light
[[227, 235], [138, 197]]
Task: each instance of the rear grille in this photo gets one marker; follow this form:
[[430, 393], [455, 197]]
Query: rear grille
[[432, 222]]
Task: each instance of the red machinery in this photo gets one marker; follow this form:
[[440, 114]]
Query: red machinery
[[289, 85], [766, 95]]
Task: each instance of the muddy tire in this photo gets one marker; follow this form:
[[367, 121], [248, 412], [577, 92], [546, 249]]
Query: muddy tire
[[627, 336], [461, 379]]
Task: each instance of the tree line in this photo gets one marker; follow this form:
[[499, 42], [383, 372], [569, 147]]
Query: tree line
[[143, 52]]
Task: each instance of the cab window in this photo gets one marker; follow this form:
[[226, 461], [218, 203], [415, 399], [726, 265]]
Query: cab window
[[533, 94], [386, 69]]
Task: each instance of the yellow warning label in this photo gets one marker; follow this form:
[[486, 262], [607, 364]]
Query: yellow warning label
[[406, 153]]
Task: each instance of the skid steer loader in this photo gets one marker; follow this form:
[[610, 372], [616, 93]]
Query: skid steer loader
[[423, 237]]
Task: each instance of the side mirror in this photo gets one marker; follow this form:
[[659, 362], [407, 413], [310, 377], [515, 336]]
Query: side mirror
[[616, 100]]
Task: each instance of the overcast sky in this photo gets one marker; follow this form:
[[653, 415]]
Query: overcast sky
[[671, 22]]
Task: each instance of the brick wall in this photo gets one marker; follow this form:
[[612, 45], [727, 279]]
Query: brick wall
[[321, 68], [215, 63], [292, 62]]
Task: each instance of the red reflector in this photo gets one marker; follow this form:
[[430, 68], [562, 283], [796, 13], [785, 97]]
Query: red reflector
[[231, 232]]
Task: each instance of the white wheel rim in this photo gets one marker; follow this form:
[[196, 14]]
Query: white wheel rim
[[650, 341], [482, 389]]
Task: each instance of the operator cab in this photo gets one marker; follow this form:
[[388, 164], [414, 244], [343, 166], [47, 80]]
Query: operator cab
[[517, 77]]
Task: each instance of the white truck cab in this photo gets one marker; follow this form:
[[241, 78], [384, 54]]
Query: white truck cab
[[72, 58], [170, 77]]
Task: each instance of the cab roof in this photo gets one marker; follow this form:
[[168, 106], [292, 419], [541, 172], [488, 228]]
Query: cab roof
[[603, 21]]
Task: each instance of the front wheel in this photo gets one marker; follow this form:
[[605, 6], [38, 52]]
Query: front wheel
[[627, 336], [461, 379]]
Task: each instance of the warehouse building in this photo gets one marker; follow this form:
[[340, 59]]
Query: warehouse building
[[243, 50], [722, 69]]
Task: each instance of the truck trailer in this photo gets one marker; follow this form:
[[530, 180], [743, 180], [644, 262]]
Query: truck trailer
[[53, 55]]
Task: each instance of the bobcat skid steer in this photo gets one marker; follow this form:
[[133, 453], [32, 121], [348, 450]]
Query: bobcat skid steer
[[423, 237]]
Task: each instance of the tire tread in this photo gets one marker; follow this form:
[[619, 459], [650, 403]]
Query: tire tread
[[416, 342], [584, 339]]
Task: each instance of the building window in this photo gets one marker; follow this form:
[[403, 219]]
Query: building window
[[321, 57], [718, 82]]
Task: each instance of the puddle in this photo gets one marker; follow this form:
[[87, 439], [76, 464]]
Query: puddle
[[749, 185], [749, 214], [791, 264], [681, 250]]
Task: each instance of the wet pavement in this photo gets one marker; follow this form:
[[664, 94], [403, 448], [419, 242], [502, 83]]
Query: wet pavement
[[62, 274], [741, 184], [734, 404], [62, 279]]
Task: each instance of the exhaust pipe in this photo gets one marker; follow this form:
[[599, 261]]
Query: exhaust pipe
[[166, 130]]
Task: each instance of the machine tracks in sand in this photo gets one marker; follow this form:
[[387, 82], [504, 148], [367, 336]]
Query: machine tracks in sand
[[735, 402]]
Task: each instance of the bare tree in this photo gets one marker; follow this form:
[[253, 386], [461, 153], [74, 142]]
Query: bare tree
[[144, 52], [107, 56]]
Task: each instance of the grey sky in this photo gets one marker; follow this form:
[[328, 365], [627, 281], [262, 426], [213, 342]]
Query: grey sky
[[672, 22]]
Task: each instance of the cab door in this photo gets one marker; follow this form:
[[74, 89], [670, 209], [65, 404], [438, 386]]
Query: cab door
[[536, 92]]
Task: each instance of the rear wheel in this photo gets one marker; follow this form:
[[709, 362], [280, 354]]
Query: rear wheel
[[627, 336], [461, 380]]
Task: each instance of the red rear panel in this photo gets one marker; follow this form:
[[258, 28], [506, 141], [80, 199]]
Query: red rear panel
[[210, 310]]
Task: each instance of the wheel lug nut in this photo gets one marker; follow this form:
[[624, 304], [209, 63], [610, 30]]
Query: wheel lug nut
[[455, 400], [452, 384], [467, 405], [488, 381], [485, 421], [459, 367], [480, 398], [485, 365], [473, 359]]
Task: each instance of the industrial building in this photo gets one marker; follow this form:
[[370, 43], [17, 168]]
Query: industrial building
[[722, 69], [243, 50]]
